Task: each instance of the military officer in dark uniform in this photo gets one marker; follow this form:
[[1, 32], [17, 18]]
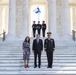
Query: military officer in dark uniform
[[49, 46], [43, 28], [39, 26], [34, 28]]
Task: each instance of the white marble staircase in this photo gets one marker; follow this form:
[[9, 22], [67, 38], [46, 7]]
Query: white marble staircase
[[11, 62]]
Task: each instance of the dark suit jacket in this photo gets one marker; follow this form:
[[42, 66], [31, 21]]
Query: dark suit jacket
[[37, 47]]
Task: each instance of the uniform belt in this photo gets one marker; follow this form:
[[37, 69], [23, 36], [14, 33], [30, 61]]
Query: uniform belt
[[26, 47]]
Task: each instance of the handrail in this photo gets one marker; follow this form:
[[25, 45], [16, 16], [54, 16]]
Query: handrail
[[4, 34], [1, 34], [73, 35]]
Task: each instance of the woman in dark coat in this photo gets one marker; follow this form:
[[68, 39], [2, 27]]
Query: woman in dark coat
[[26, 51]]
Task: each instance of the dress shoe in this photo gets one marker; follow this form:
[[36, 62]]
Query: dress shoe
[[35, 66], [39, 66], [25, 66], [50, 66], [28, 66], [47, 66]]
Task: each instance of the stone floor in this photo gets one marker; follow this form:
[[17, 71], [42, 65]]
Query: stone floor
[[11, 62]]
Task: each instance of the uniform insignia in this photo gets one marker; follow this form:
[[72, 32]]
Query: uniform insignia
[[51, 40]]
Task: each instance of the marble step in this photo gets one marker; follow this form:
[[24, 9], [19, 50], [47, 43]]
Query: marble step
[[32, 58], [37, 72], [43, 55], [72, 64], [37, 69], [20, 50], [43, 61], [11, 62], [21, 53], [31, 61]]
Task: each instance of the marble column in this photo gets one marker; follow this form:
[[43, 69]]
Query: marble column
[[12, 20], [6, 21], [59, 18], [74, 18], [19, 18], [4, 18], [66, 20], [1, 20], [71, 17], [52, 18], [25, 18]]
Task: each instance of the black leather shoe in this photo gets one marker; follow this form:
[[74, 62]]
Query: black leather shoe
[[39, 66], [35, 66], [48, 67]]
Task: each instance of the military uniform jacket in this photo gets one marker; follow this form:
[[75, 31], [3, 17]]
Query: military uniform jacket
[[49, 45], [38, 26], [43, 26], [34, 26]]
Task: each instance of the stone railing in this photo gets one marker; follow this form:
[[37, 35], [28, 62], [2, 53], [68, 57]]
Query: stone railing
[[3, 35], [73, 35]]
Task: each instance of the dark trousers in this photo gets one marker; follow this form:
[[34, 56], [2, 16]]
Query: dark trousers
[[39, 58], [43, 32], [34, 32], [49, 58], [39, 31]]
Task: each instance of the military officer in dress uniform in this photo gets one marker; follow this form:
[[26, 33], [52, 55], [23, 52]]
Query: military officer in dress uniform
[[43, 28], [39, 26], [34, 28], [49, 46]]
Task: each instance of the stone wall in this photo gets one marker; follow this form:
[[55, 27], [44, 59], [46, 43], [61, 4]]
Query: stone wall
[[74, 18]]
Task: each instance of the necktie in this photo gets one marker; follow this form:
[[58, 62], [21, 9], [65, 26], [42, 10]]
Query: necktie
[[37, 41]]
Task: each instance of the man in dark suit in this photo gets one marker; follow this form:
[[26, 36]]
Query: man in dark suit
[[37, 48], [34, 28], [43, 28], [49, 46], [39, 27]]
